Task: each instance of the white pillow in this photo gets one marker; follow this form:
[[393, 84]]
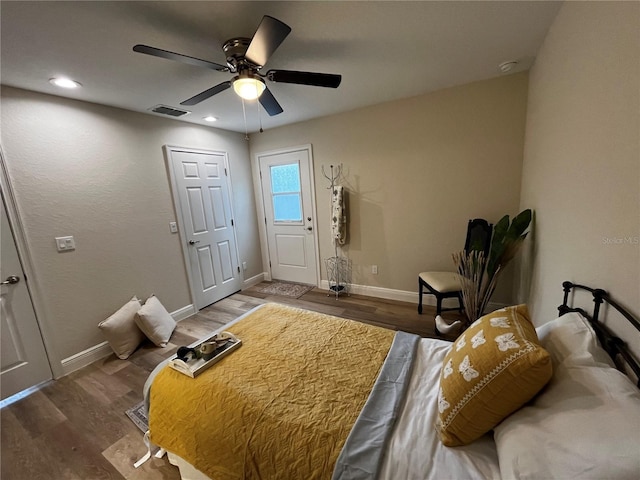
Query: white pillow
[[155, 322], [585, 423], [121, 331], [571, 339]]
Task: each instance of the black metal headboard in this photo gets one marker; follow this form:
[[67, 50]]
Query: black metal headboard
[[615, 346]]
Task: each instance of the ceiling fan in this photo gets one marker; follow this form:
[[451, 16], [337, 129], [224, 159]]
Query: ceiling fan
[[246, 57]]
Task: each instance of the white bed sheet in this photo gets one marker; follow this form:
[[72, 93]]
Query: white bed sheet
[[415, 451]]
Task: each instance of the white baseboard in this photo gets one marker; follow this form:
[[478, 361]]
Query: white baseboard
[[404, 296], [97, 352], [250, 282], [380, 292], [184, 312], [86, 357]]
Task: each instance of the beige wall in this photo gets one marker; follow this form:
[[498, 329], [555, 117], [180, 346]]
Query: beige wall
[[582, 156], [98, 173], [416, 170]]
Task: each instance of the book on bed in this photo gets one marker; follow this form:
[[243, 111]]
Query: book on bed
[[207, 353]]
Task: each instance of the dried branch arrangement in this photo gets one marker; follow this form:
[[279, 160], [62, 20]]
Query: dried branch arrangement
[[479, 274]]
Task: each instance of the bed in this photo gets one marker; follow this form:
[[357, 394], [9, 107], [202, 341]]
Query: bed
[[315, 396]]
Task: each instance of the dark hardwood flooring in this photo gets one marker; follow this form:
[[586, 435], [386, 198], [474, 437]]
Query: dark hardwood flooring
[[75, 427]]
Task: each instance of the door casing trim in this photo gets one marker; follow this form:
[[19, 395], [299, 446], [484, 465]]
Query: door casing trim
[[262, 228]]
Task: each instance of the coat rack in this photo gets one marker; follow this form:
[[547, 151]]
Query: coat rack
[[338, 268], [334, 176]]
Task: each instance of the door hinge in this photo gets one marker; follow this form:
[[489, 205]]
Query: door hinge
[[265, 220], [225, 172], [232, 222], [238, 268], [269, 263]]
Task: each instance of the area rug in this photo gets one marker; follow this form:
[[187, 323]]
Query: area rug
[[138, 415], [295, 290]]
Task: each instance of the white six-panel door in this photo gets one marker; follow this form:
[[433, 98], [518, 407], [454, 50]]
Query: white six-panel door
[[24, 359], [287, 198], [204, 204]]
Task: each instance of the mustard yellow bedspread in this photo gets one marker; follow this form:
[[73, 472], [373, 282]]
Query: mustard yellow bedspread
[[279, 407]]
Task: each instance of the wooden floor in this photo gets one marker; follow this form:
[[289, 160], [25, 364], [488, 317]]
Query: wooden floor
[[75, 427]]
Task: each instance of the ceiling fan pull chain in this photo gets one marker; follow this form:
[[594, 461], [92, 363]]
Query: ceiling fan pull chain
[[244, 114], [259, 116]]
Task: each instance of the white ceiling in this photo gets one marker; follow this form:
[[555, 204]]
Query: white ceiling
[[383, 50]]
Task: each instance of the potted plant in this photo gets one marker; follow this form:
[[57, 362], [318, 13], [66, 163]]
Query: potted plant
[[480, 273]]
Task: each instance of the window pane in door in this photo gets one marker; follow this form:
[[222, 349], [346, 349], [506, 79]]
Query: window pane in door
[[285, 178], [285, 188], [287, 208]]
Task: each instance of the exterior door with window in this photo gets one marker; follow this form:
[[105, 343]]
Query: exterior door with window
[[289, 215], [203, 200]]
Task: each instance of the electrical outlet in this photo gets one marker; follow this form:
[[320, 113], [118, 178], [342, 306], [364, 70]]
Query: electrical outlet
[[244, 265], [374, 269]]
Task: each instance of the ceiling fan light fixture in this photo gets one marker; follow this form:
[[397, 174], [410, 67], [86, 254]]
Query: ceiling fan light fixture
[[64, 82], [245, 58], [249, 87]]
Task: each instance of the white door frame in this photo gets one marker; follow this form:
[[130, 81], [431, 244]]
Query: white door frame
[[262, 227], [13, 214], [167, 149]]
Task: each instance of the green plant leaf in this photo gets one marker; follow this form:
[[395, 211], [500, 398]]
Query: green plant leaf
[[500, 230], [520, 224], [507, 238], [501, 227]]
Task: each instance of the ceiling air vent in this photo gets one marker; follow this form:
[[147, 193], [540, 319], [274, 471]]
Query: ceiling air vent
[[165, 110]]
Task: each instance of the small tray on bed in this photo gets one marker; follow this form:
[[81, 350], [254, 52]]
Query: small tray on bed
[[227, 343]]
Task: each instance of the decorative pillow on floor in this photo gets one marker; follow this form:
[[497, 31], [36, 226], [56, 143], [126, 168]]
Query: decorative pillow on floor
[[492, 369], [155, 322], [121, 331]]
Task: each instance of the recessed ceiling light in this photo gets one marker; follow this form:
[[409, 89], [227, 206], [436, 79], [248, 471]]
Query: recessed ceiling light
[[64, 82], [210, 118]]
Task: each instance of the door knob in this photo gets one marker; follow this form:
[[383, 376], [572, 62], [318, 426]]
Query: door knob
[[10, 280], [193, 242], [309, 228]]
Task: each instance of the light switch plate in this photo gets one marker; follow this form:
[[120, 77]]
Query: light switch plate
[[64, 244], [173, 227]]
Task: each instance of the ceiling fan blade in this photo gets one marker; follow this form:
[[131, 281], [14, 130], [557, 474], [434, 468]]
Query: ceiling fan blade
[[269, 102], [270, 34], [305, 78], [158, 52], [221, 87]]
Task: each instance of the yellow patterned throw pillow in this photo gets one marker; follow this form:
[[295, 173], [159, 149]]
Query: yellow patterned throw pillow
[[492, 369]]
